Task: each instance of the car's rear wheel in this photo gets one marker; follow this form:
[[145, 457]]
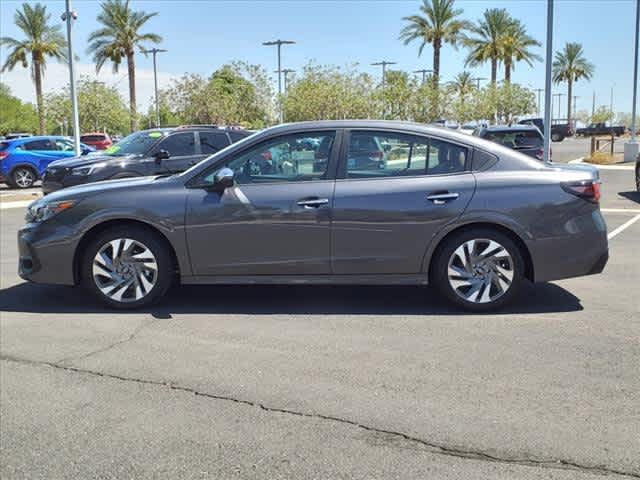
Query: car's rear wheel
[[127, 267], [556, 137], [23, 177], [479, 269]]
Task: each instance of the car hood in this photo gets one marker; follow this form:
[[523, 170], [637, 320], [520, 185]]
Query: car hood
[[88, 189], [86, 160]]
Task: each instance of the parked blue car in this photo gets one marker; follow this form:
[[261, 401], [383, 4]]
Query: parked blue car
[[24, 160]]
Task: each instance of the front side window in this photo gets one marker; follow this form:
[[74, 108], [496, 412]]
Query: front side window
[[372, 154], [64, 145], [179, 145], [290, 158]]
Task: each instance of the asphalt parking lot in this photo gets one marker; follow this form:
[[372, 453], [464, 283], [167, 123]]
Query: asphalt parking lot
[[326, 382]]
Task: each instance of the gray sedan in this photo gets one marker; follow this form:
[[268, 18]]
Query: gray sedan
[[335, 202]]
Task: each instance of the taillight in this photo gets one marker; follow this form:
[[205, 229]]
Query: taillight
[[588, 189], [3, 155]]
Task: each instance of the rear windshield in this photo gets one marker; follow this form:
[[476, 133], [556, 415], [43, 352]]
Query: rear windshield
[[3, 146], [92, 138], [517, 139]]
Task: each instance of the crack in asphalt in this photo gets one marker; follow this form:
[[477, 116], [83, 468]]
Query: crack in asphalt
[[133, 335], [432, 447]]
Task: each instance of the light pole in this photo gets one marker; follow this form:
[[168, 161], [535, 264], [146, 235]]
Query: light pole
[[574, 108], [547, 83], [424, 72], [477, 80], [154, 52], [383, 64], [559, 95], [539, 90], [286, 72], [611, 106], [278, 43], [632, 148], [69, 16]]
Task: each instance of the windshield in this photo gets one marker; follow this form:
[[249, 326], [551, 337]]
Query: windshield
[[134, 144]]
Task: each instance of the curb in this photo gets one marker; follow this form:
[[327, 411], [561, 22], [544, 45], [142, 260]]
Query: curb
[[603, 167]]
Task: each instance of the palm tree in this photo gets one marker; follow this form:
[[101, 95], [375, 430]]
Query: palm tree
[[487, 42], [462, 84], [516, 45], [569, 66], [42, 41], [118, 39], [438, 24]]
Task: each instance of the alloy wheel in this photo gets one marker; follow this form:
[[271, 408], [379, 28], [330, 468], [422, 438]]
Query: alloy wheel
[[480, 271], [24, 178], [125, 270]]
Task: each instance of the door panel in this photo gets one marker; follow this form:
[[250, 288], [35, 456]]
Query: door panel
[[260, 229]]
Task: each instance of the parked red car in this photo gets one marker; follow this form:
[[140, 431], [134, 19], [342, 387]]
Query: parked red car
[[99, 141]]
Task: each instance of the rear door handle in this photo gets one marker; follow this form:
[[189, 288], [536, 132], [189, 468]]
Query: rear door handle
[[312, 202], [442, 198]]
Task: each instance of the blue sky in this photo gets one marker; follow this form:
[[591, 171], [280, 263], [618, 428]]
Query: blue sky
[[202, 35]]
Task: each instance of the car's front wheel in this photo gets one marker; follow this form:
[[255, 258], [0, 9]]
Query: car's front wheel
[[23, 177], [556, 137], [479, 269], [127, 267]]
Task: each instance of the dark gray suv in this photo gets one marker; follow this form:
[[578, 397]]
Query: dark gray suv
[[297, 204], [147, 152]]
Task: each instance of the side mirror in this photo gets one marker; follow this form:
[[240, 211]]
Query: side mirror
[[223, 178], [161, 155], [86, 151]]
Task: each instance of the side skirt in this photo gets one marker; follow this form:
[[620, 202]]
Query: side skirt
[[390, 279]]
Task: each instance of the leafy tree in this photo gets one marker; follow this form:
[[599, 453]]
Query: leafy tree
[[438, 24], [514, 100], [41, 41], [516, 45], [463, 84], [486, 44], [15, 116], [118, 38], [570, 65], [602, 114], [100, 108]]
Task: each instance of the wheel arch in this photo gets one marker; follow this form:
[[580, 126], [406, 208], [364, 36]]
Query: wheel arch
[[97, 229], [529, 272], [28, 165]]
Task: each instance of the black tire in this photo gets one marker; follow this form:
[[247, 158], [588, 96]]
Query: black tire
[[556, 137], [439, 277], [23, 177], [149, 239], [638, 178]]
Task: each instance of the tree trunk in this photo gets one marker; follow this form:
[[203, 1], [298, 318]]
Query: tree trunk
[[494, 71], [507, 71], [569, 94], [437, 44], [131, 64], [37, 75]]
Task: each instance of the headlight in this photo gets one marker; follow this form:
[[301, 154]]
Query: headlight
[[39, 212], [88, 170]]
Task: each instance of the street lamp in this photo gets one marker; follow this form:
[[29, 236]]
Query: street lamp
[[547, 83], [154, 52], [286, 72], [383, 64], [69, 16], [477, 80], [632, 148], [278, 43], [559, 95]]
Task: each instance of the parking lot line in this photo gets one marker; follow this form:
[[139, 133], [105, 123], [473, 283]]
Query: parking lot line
[[620, 210], [622, 227], [20, 204]]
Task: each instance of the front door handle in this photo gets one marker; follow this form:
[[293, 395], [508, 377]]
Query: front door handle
[[442, 198], [312, 202]]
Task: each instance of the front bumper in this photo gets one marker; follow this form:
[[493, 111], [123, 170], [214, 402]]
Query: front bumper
[[46, 254]]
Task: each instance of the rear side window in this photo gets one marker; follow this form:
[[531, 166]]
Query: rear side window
[[372, 154], [237, 136], [212, 142], [179, 145], [39, 145]]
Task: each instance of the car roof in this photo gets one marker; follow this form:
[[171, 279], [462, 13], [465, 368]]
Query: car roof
[[37, 137], [511, 128]]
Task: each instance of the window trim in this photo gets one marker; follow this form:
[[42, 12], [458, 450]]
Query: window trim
[[331, 167], [341, 173]]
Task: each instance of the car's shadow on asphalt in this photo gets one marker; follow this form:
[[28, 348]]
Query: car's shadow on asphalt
[[631, 195], [268, 300]]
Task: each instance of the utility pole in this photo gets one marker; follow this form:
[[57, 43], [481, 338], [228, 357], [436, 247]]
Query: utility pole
[[69, 16], [539, 90], [547, 83], [424, 72], [286, 72], [477, 80], [559, 95], [278, 43], [383, 64], [154, 52]]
